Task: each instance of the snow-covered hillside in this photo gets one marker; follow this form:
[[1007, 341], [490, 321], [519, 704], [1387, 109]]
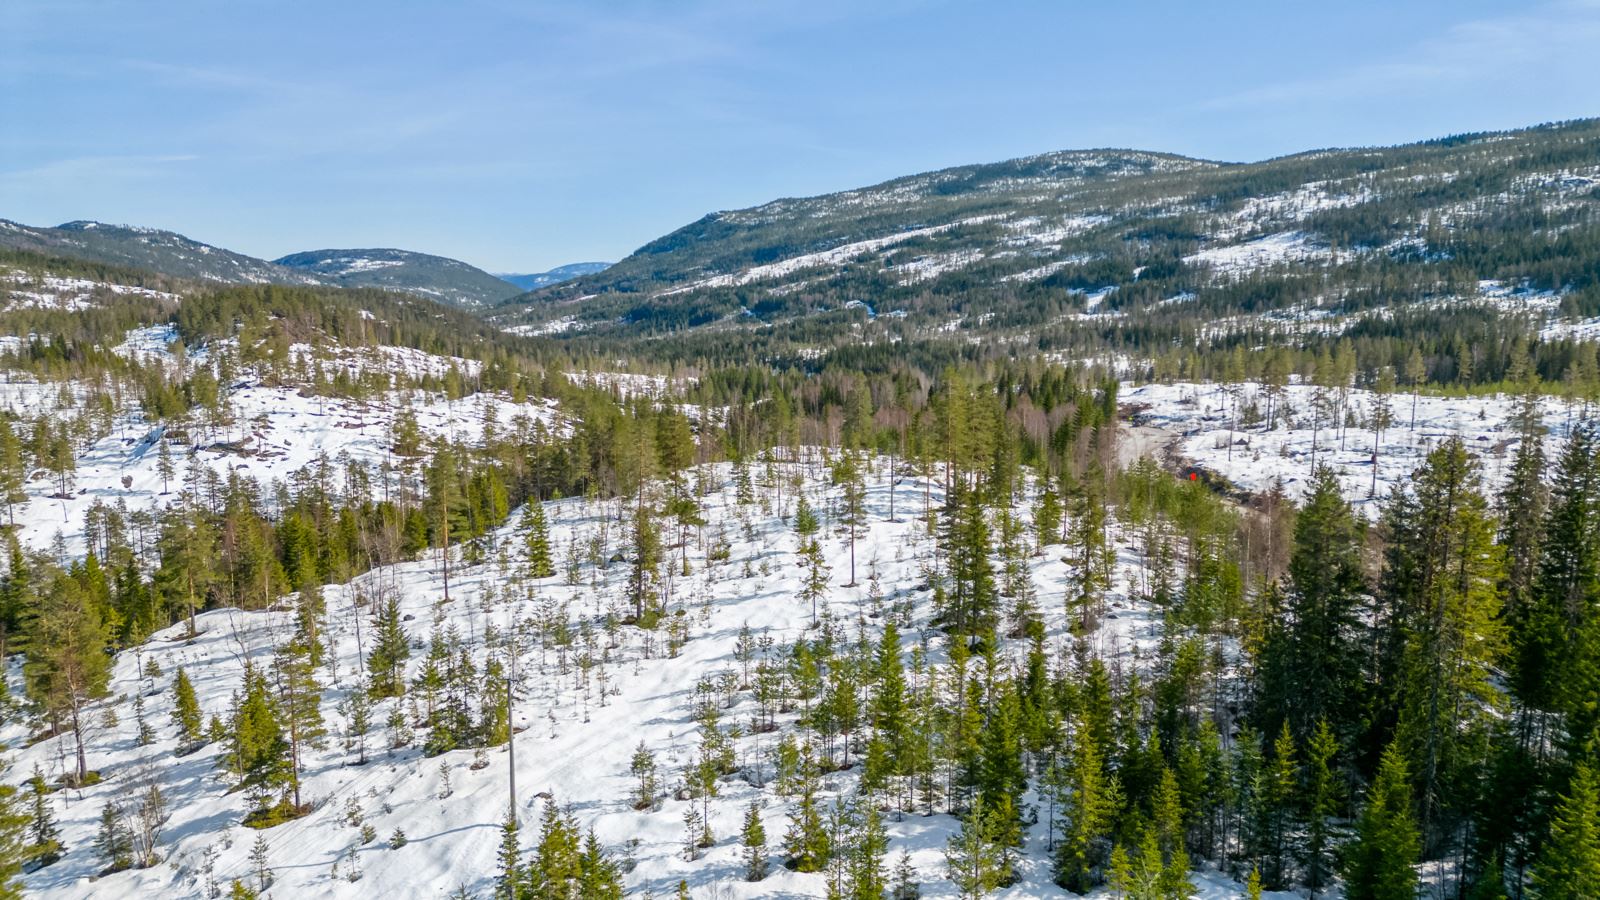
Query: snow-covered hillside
[[581, 709], [276, 431], [589, 692], [1194, 424]]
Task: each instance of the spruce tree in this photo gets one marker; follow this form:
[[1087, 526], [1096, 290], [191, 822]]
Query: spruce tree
[[1320, 652], [866, 875], [387, 660], [754, 838], [113, 843], [807, 844], [556, 866], [509, 882], [598, 877], [1321, 804], [1568, 867], [540, 562], [186, 711], [805, 518], [1087, 807], [1378, 863], [45, 846], [14, 834], [258, 752], [973, 862]]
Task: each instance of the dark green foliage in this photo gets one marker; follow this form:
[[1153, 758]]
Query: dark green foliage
[[1378, 864]]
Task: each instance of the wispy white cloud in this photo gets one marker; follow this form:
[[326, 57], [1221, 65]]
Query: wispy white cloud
[[98, 167], [1481, 50]]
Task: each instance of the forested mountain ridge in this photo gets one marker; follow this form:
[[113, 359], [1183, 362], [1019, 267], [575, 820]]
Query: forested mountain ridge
[[1122, 251], [150, 249], [173, 255], [446, 280]]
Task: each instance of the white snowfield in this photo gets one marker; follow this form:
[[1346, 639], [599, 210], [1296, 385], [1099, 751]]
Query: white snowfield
[[19, 290], [1191, 423], [580, 713], [275, 432]]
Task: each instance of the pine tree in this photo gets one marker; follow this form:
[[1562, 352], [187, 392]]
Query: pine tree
[[1378, 864], [300, 700], [755, 845], [852, 510], [645, 568], [814, 586], [186, 711], [906, 886], [68, 665], [643, 768], [1568, 868], [13, 470]]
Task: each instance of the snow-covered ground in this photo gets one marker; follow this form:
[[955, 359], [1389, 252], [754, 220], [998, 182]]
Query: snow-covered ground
[[275, 432], [582, 712], [19, 290], [579, 724], [1196, 419]]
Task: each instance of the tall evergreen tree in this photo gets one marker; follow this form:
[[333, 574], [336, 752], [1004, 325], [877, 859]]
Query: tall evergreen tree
[[387, 660], [754, 838], [1378, 864], [540, 562], [1568, 868], [186, 710]]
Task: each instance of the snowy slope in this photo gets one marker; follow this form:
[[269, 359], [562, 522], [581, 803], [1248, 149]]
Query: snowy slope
[[276, 431], [1190, 423], [577, 731], [581, 710]]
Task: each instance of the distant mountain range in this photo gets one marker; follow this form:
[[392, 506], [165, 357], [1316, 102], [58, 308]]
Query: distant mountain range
[[446, 280], [559, 274], [167, 253], [151, 249], [1115, 248]]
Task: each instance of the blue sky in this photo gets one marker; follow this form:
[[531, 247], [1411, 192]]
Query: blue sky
[[522, 135]]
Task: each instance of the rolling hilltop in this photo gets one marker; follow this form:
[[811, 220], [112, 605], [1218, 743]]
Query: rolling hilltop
[[1118, 249], [173, 255]]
